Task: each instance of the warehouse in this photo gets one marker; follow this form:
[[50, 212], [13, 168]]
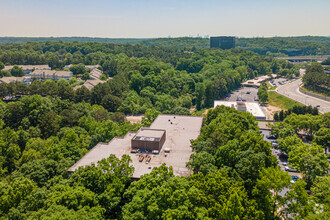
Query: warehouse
[[166, 141]]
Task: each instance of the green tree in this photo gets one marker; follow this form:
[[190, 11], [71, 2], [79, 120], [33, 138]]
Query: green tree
[[78, 69], [49, 124], [16, 71], [111, 103], [82, 94], [310, 160], [267, 191]]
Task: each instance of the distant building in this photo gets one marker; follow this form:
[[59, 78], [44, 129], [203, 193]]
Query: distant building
[[14, 79], [96, 73], [50, 74], [166, 141], [89, 84], [222, 42], [29, 68]]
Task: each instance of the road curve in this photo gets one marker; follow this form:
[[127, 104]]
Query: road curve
[[291, 90]]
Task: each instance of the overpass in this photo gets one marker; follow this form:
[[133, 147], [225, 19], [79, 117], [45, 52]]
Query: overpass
[[300, 59]]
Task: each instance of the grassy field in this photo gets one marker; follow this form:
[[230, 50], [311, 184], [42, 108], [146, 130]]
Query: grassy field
[[280, 101]]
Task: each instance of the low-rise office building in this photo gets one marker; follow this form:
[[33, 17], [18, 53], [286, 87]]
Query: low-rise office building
[[166, 141]]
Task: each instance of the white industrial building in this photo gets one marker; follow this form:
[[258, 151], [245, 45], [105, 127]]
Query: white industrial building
[[251, 107]]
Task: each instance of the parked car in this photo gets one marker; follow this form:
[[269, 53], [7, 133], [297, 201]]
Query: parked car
[[239, 99], [288, 168], [318, 106], [248, 92], [283, 154], [271, 137], [285, 163], [275, 145], [294, 179], [256, 99]]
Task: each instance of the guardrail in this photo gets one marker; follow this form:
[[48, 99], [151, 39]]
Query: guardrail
[[313, 94]]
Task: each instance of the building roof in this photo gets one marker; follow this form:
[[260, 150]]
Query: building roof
[[9, 79], [257, 81], [89, 84], [63, 73], [144, 133], [251, 107], [96, 73], [29, 67], [51, 72], [178, 136], [41, 72], [241, 104]]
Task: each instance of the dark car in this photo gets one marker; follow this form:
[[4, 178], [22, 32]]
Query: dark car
[[271, 137], [248, 92]]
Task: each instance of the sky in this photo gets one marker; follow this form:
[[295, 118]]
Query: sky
[[163, 18]]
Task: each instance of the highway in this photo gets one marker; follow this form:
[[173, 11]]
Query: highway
[[291, 90]]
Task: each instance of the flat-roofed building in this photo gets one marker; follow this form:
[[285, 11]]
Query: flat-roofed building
[[149, 139], [250, 107], [223, 42], [176, 131]]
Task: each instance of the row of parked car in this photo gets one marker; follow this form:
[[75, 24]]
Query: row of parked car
[[284, 156]]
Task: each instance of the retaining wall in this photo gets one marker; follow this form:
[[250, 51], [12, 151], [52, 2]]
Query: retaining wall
[[314, 95]]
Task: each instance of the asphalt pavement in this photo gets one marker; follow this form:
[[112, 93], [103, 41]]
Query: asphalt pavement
[[246, 93], [291, 90]]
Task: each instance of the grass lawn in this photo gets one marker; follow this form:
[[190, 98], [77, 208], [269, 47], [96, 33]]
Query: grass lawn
[[270, 87], [280, 101]]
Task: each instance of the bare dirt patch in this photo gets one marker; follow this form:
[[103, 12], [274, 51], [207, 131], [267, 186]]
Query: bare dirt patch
[[270, 110], [134, 118]]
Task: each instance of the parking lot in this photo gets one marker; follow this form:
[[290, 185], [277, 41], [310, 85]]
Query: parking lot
[[275, 152], [279, 81], [243, 93]]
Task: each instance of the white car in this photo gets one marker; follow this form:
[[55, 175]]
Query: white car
[[285, 163]]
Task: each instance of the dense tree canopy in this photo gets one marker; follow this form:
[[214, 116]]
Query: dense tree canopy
[[47, 126]]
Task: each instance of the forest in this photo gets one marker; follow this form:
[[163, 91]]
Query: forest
[[316, 79], [143, 77], [273, 46], [48, 126], [234, 170]]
